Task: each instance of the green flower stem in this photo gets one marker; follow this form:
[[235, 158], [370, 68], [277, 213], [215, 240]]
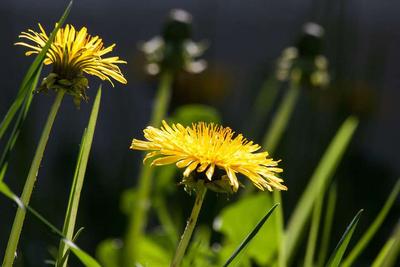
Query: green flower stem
[[185, 238], [138, 216], [271, 141], [30, 182]]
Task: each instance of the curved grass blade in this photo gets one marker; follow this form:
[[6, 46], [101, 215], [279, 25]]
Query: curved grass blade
[[85, 258], [336, 257], [317, 185], [18, 124], [326, 232], [29, 76], [313, 234], [390, 251], [79, 176], [252, 234], [369, 234]]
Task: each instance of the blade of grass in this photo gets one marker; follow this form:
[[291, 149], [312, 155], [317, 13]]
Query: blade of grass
[[79, 176], [336, 257], [390, 251], [30, 182], [85, 258], [326, 232], [369, 234], [138, 217], [317, 185], [252, 234], [18, 124], [312, 237], [33, 68]]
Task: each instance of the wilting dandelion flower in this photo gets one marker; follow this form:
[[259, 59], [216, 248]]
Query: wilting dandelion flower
[[212, 150], [72, 54]]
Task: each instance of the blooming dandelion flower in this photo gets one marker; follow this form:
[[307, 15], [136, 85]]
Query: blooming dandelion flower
[[73, 53], [210, 149]]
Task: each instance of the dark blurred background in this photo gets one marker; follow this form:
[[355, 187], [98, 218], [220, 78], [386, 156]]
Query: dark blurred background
[[362, 40]]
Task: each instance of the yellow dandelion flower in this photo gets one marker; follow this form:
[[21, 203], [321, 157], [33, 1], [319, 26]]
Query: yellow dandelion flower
[[207, 148], [73, 53]]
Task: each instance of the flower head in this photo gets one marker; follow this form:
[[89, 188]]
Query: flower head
[[211, 150], [73, 53], [174, 50]]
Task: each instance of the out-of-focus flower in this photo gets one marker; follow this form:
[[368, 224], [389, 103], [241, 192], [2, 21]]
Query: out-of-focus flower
[[174, 50], [72, 54], [214, 152], [305, 58]]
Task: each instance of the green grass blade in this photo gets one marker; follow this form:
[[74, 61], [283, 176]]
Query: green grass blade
[[336, 257], [18, 124], [326, 232], [391, 250], [85, 258], [252, 234], [79, 176], [369, 234], [313, 235], [317, 185], [33, 68]]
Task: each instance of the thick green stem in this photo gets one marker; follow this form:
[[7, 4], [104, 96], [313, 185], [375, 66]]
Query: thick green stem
[[29, 184], [138, 216], [191, 223]]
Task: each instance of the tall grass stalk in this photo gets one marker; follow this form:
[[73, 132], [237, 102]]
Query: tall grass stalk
[[77, 184], [30, 182], [138, 216]]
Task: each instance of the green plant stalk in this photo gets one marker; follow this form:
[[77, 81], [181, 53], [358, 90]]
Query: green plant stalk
[[326, 232], [138, 216], [30, 182], [263, 103], [369, 234], [23, 112], [191, 223], [165, 220], [317, 185], [313, 235], [271, 141], [77, 184]]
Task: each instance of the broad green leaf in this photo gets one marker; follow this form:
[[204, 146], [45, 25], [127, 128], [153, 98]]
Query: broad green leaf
[[29, 76], [153, 254], [369, 234], [188, 114], [238, 219], [336, 257], [109, 252], [79, 176], [250, 237], [199, 253], [317, 185]]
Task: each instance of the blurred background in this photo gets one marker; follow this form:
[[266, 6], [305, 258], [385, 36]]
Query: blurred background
[[361, 42]]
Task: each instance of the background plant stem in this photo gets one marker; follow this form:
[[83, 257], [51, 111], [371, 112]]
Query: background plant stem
[[30, 182], [138, 216], [187, 234]]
